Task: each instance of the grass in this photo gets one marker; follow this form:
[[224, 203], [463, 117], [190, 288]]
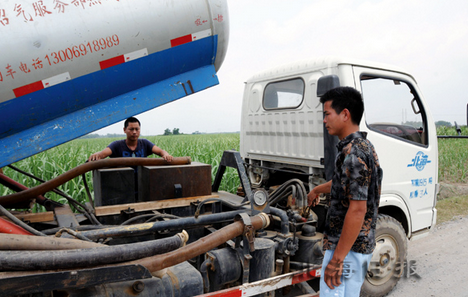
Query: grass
[[453, 168], [453, 160], [452, 207], [452, 130]]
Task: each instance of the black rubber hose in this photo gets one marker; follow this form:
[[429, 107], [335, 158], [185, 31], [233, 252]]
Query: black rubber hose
[[202, 245], [284, 194], [279, 192], [150, 216], [88, 192], [177, 224], [283, 191], [66, 259], [15, 242], [284, 219], [162, 216], [52, 231], [224, 202]]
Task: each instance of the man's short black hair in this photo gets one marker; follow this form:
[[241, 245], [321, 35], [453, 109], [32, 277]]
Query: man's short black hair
[[131, 120], [345, 97]]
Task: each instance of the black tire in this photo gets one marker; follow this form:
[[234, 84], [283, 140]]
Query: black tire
[[389, 255]]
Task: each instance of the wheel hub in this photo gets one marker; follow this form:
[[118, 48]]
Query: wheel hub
[[384, 260]]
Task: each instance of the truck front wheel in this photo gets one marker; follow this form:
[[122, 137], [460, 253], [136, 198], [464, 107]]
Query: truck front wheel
[[389, 256]]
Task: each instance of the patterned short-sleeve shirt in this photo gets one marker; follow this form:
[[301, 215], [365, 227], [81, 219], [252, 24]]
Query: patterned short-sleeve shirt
[[357, 176]]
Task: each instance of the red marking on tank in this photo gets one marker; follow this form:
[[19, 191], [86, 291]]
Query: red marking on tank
[[124, 58], [181, 40], [27, 89], [190, 37], [112, 62], [42, 84]]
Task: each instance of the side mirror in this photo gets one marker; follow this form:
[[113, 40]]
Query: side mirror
[[326, 83]]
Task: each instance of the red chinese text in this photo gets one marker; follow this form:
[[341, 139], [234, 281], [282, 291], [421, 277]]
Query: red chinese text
[[200, 22], [60, 6], [85, 2], [37, 64], [40, 9], [219, 18], [20, 11], [24, 67], [3, 19], [10, 71]]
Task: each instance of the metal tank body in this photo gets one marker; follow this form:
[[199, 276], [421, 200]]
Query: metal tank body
[[70, 67]]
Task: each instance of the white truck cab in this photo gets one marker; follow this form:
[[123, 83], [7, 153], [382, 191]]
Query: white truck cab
[[283, 137]]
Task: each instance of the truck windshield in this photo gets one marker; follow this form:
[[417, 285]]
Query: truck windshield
[[393, 108]]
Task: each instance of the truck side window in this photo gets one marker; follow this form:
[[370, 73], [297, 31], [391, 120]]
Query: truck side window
[[284, 94], [392, 107]]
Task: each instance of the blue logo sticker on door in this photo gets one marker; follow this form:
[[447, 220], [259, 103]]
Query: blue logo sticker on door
[[419, 161]]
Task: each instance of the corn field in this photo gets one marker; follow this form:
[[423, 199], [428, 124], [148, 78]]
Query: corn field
[[453, 156], [204, 148]]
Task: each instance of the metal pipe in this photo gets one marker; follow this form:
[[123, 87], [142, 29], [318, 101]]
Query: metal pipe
[[284, 219], [77, 171], [67, 259], [73, 233], [286, 267], [202, 245], [28, 242], [178, 224]]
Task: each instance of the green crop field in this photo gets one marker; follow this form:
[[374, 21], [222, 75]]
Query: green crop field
[[205, 148], [453, 156]]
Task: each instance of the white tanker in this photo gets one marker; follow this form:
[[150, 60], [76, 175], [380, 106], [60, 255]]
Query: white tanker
[[71, 67]]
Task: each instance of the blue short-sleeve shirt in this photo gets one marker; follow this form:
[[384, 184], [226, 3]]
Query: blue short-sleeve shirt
[[120, 149]]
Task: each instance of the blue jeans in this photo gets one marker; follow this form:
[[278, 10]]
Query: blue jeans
[[354, 272]]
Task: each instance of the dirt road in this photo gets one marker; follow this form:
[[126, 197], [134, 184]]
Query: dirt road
[[441, 262]]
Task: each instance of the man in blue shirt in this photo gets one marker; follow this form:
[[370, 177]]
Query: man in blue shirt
[[132, 146]]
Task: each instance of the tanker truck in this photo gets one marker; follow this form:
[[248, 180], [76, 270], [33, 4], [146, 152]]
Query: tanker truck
[[165, 229]]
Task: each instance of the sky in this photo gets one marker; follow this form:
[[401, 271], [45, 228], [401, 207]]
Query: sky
[[429, 39]]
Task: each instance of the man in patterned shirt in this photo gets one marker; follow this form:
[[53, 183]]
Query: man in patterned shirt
[[349, 235]]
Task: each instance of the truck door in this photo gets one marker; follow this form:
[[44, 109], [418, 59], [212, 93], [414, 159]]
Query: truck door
[[403, 133]]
